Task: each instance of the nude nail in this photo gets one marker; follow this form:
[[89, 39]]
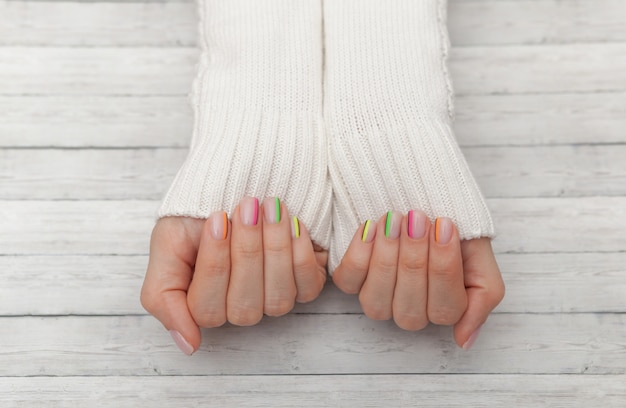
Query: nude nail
[[219, 223], [417, 224], [443, 230], [249, 210], [369, 232], [182, 344], [393, 225], [472, 339], [271, 209], [295, 227]]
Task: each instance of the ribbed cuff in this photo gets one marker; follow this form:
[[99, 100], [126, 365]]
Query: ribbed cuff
[[257, 154], [416, 166]]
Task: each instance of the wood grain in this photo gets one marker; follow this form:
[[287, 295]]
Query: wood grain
[[313, 344], [110, 285], [502, 172], [525, 225], [165, 121], [317, 391], [169, 71], [168, 23]]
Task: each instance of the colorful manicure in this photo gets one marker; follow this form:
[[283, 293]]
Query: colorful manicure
[[271, 208], [393, 225], [366, 237], [295, 230], [219, 225], [388, 224], [249, 210], [443, 230], [416, 224]]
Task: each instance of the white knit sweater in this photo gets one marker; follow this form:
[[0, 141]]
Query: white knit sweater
[[333, 104]]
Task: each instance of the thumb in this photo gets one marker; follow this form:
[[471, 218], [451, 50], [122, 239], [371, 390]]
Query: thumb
[[173, 250], [485, 289]]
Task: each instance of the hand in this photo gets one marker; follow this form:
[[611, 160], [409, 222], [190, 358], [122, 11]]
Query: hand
[[205, 273], [405, 268]]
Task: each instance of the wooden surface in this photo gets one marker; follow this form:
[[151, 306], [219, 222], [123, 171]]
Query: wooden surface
[[94, 122]]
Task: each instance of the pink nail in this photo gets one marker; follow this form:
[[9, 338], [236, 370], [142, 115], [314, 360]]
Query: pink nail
[[393, 225], [182, 344], [443, 230], [249, 210], [472, 339], [219, 221], [417, 224]]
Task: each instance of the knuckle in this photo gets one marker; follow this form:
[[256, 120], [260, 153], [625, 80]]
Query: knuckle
[[375, 310], [413, 266], [445, 275], [443, 316], [208, 318], [385, 264], [244, 315], [148, 300], [248, 250], [410, 321], [496, 294], [352, 262], [278, 306], [276, 246]]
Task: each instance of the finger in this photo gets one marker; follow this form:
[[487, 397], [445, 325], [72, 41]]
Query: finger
[[376, 295], [309, 274], [447, 299], [207, 293], [485, 289], [244, 300], [352, 271], [411, 292], [280, 285], [173, 248]]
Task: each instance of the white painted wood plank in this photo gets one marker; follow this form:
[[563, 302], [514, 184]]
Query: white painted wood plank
[[44, 121], [110, 285], [313, 344], [318, 391], [535, 22], [167, 23], [96, 71], [571, 171], [525, 225], [169, 71], [541, 119], [57, 121], [98, 23], [539, 69]]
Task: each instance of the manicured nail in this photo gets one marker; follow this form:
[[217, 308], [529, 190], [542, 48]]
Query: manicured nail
[[393, 225], [249, 210], [443, 230], [295, 227], [368, 232], [181, 342], [417, 224], [219, 225], [271, 208], [472, 339]]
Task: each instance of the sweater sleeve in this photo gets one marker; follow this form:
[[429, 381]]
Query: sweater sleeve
[[257, 101], [388, 108]]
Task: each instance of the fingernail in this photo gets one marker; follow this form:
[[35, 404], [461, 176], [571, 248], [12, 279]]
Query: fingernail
[[417, 224], [249, 210], [393, 225], [295, 228], [219, 225], [472, 339], [368, 232], [271, 208], [443, 230], [181, 343]]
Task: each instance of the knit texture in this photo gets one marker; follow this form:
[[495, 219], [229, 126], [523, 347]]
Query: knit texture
[[257, 100], [388, 108]]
